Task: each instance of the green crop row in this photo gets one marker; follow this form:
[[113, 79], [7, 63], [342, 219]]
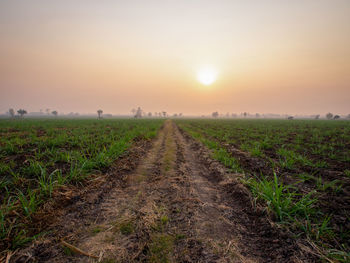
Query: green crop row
[[37, 156], [293, 184], [320, 140]]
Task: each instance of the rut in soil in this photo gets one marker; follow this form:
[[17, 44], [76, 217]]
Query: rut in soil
[[177, 205]]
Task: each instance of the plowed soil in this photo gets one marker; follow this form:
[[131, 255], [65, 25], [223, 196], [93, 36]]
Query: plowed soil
[[169, 202]]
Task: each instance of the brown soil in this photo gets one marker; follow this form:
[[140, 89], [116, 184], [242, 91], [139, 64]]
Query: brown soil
[[330, 202], [171, 203]]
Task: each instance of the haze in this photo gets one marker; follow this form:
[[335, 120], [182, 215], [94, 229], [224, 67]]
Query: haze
[[270, 56]]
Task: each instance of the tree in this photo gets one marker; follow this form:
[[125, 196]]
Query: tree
[[48, 111], [54, 113], [215, 114], [290, 118], [180, 114], [21, 112], [164, 113], [12, 113], [317, 117], [245, 114], [329, 115], [348, 117], [257, 115], [99, 113], [150, 114], [138, 113], [336, 117]]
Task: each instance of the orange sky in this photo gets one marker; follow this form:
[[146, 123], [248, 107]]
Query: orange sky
[[271, 56]]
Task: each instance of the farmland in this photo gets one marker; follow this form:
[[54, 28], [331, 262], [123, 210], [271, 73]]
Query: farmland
[[182, 190], [299, 169], [39, 156]]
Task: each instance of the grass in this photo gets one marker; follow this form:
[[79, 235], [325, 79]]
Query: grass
[[219, 153], [37, 156], [29, 202], [282, 200], [126, 228], [161, 247], [323, 186], [296, 157], [164, 219], [254, 148], [96, 230], [306, 139], [289, 159], [67, 251], [347, 173]]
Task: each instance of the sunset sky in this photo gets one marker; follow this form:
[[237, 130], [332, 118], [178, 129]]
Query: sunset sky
[[269, 56]]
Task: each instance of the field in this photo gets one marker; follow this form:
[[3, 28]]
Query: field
[[38, 156], [301, 169], [182, 190]]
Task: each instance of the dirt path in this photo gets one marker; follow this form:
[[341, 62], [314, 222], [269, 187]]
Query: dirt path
[[177, 205]]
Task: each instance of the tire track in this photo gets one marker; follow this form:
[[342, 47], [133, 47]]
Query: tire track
[[177, 205]]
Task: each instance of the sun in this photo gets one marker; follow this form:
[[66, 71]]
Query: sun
[[207, 75]]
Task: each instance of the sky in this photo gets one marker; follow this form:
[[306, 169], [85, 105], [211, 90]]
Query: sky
[[286, 57]]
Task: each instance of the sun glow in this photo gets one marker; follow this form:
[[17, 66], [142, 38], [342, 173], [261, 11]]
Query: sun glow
[[207, 76]]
